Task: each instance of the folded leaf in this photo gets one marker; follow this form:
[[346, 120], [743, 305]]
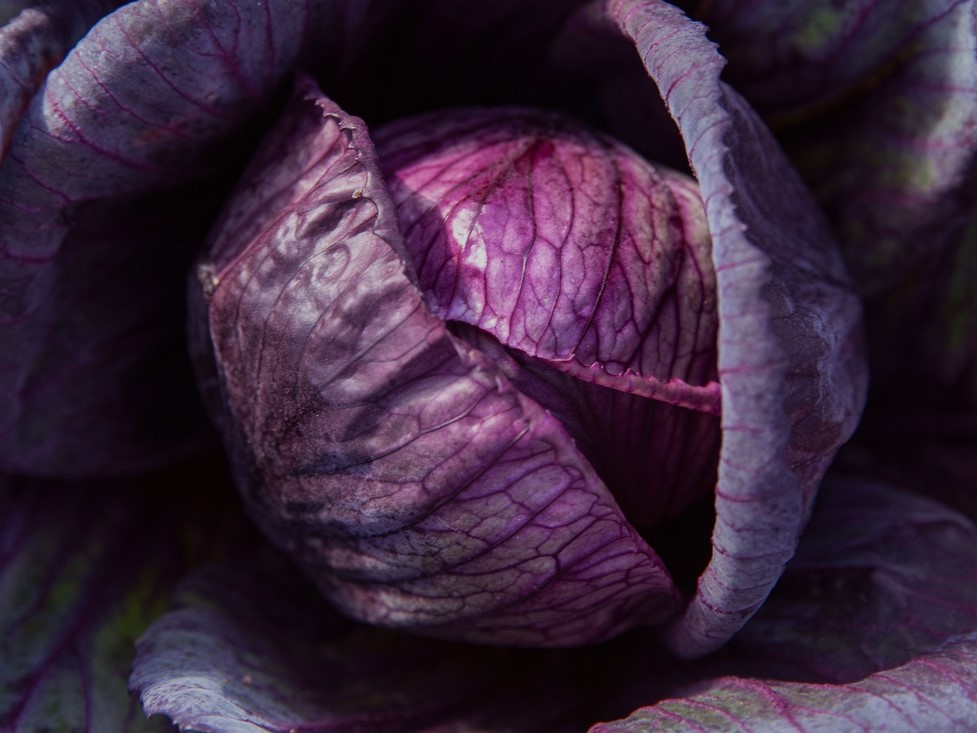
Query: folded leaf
[[790, 365], [934, 692], [875, 105], [249, 649], [873, 624], [562, 243], [396, 464], [569, 253], [881, 576], [107, 189]]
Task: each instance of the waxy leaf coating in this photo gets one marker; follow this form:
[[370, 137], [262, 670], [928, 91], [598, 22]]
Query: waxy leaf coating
[[248, 649], [499, 381], [933, 692]]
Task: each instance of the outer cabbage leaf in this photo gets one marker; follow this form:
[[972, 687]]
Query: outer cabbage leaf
[[873, 623], [84, 568], [401, 469], [100, 211], [790, 365], [934, 692], [793, 59], [248, 648], [33, 40], [880, 577], [889, 145], [875, 104], [879, 103]]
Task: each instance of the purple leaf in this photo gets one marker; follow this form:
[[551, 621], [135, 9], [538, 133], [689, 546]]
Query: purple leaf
[[798, 58], [33, 40], [84, 568], [658, 460], [401, 469], [875, 104], [248, 648], [872, 627], [580, 257], [932, 692], [562, 244], [880, 577], [790, 364], [895, 169], [107, 189], [872, 624]]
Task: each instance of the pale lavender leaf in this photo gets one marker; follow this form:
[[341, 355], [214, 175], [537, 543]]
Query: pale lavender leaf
[[875, 104], [106, 192], [879, 104], [935, 692], [881, 576], [249, 649], [871, 628], [872, 625], [799, 58], [32, 42], [790, 363]]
